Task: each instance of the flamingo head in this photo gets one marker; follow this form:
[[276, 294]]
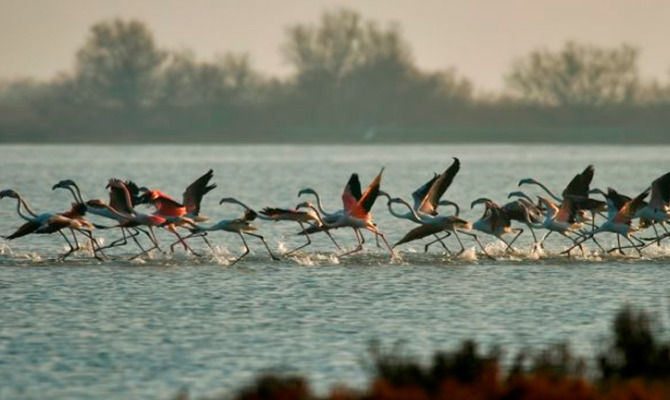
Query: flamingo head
[[9, 193], [307, 191], [384, 194], [227, 200], [64, 184], [481, 200], [527, 181]]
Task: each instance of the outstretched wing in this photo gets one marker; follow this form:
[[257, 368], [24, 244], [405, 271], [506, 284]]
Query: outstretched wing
[[437, 189], [419, 194], [351, 194], [578, 188], [120, 199], [630, 208], [368, 198], [660, 191], [419, 232], [195, 191]]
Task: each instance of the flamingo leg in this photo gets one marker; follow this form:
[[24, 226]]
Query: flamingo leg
[[575, 243], [442, 243], [388, 245], [262, 239], [509, 246], [327, 231], [94, 244], [152, 236], [634, 246], [118, 242], [136, 231], [72, 249], [309, 241], [432, 242], [246, 250], [358, 248], [183, 242], [474, 236], [203, 235], [459, 242]]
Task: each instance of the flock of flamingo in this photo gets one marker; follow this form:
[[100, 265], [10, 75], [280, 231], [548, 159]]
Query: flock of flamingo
[[573, 215]]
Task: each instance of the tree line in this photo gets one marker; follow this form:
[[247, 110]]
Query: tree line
[[352, 80]]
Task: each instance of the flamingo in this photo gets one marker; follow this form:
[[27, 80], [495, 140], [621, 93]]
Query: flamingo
[[240, 226], [427, 196], [494, 221], [330, 219], [128, 217], [117, 202], [578, 191], [657, 211], [50, 223], [619, 219], [429, 225], [560, 219], [186, 213], [357, 208], [311, 217], [190, 206], [523, 210], [132, 221]]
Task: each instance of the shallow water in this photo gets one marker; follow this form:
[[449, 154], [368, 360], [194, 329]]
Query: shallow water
[[145, 329]]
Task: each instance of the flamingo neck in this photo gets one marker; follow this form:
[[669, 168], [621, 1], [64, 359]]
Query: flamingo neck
[[549, 192], [411, 215], [320, 205], [20, 201]]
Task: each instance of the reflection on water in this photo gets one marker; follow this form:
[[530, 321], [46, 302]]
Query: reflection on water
[[144, 329]]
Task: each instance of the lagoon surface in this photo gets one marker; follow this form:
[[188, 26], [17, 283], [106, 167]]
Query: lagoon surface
[[148, 328]]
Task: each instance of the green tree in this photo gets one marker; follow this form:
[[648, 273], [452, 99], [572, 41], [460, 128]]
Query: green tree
[[118, 64], [577, 75]]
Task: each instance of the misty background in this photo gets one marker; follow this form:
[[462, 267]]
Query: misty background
[[344, 77]]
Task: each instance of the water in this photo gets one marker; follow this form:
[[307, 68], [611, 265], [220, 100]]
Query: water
[[145, 329]]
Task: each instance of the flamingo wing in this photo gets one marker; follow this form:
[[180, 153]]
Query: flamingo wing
[[437, 189], [25, 229], [351, 194], [166, 205], [660, 191], [195, 191], [419, 194], [578, 188], [120, 199], [419, 232], [368, 198], [567, 211], [630, 208], [274, 212]]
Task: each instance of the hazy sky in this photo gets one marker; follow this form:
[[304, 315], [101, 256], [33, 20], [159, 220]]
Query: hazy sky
[[479, 37]]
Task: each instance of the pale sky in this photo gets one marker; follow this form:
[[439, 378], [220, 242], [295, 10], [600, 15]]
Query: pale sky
[[480, 38]]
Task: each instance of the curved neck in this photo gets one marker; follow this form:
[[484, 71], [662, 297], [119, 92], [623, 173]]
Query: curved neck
[[81, 199], [412, 215], [319, 204], [318, 214], [450, 203], [115, 211], [74, 195], [549, 192], [19, 202], [246, 207]]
